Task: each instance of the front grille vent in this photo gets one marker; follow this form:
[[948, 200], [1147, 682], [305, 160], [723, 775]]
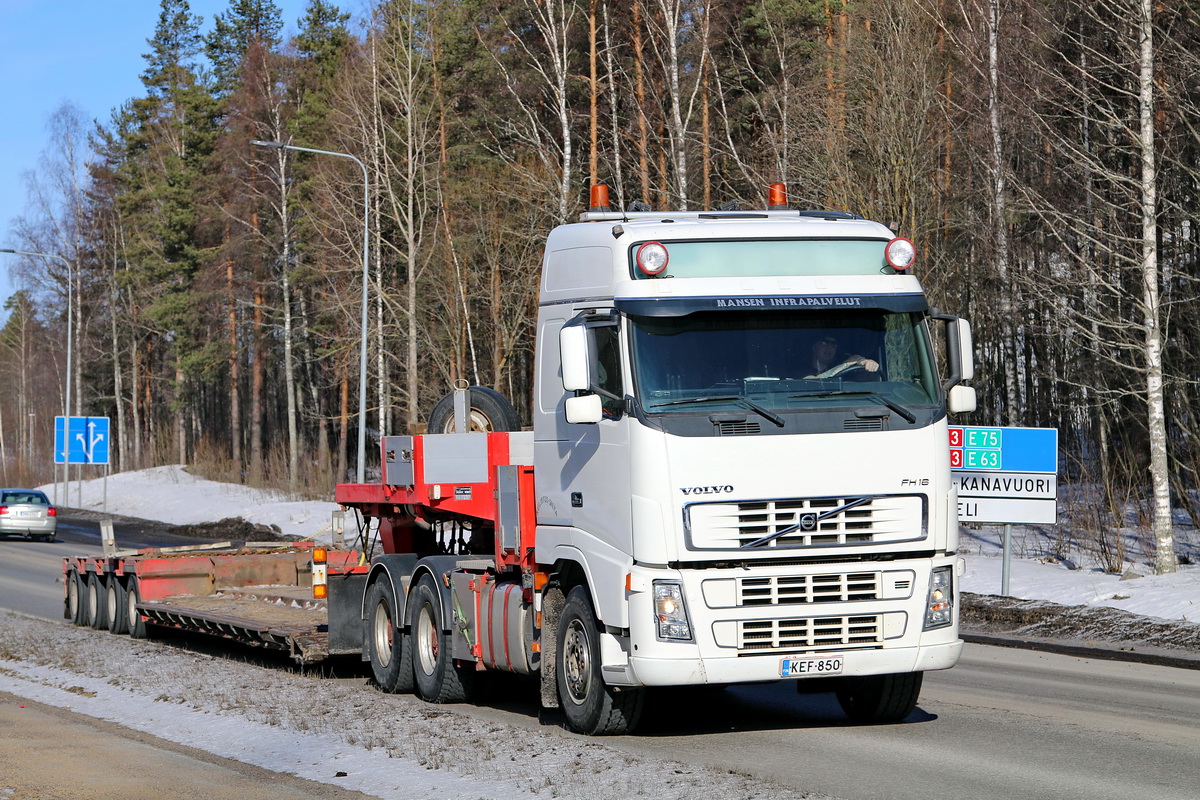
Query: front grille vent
[[797, 589], [874, 424], [808, 633], [806, 522]]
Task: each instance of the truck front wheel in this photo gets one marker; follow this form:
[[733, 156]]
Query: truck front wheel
[[591, 706], [390, 647], [438, 679], [880, 698]]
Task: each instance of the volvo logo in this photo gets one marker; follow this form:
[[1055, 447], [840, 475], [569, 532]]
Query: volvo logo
[[691, 490], [808, 522]]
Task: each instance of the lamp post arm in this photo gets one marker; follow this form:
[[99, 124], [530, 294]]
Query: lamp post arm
[[362, 356]]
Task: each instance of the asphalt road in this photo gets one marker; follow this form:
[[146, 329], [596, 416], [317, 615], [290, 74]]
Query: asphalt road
[[1005, 723]]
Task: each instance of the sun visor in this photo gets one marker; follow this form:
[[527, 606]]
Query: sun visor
[[682, 306]]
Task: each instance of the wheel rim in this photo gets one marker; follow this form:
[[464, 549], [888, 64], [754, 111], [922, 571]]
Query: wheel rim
[[427, 639], [382, 633], [477, 422], [131, 607], [110, 600], [93, 600], [73, 595], [577, 662]]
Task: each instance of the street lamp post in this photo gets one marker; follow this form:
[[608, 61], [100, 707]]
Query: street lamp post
[[70, 340], [362, 355]]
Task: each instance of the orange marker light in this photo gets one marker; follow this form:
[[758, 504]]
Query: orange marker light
[[777, 196], [598, 199]]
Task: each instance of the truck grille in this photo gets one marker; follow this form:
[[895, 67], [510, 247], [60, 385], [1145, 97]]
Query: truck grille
[[809, 633], [806, 522], [789, 590]]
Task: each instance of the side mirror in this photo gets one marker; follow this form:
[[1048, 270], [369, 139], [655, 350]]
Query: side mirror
[[961, 399], [585, 409], [576, 364], [966, 350]]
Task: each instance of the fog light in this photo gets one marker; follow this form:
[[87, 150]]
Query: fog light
[[670, 612], [939, 607]]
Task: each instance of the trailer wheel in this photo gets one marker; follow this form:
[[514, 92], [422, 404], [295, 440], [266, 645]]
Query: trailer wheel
[[133, 617], [76, 605], [592, 707], [96, 602], [114, 606], [389, 647], [880, 698], [490, 412], [438, 679]]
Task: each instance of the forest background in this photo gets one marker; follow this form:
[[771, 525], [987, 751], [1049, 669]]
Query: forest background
[[1043, 155]]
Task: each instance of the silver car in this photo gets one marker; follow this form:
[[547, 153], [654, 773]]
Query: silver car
[[28, 513]]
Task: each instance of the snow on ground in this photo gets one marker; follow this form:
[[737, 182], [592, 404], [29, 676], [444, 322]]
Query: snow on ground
[[175, 496], [172, 495], [1076, 579]]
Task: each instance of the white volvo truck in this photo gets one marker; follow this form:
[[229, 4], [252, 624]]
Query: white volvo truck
[[738, 503]]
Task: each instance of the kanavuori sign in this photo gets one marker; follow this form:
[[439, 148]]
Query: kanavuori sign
[[1005, 475]]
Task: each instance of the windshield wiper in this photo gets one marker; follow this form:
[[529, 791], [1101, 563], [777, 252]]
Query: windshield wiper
[[892, 404], [731, 398]]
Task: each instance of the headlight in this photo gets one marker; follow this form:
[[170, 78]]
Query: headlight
[[670, 612], [939, 607]]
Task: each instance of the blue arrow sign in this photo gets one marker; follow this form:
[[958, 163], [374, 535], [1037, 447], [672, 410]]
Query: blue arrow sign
[[81, 440]]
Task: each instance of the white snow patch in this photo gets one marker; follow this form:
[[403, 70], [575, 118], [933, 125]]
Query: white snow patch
[[173, 495]]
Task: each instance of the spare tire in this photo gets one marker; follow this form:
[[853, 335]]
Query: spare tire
[[490, 412]]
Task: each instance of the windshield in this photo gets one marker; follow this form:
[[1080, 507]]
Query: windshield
[[783, 361]]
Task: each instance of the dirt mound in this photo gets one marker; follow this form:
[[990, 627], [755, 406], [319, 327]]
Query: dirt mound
[[1092, 624], [232, 528]]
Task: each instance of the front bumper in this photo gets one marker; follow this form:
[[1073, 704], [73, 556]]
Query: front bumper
[[745, 622], [758, 669]]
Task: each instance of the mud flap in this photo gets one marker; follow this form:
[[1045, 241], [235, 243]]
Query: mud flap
[[552, 606]]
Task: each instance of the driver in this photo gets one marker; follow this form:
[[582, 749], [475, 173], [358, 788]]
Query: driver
[[826, 359]]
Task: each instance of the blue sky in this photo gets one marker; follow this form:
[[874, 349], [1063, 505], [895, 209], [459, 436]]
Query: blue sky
[[86, 52]]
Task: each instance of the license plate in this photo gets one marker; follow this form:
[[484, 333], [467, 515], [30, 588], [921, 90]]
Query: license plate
[[805, 666], [27, 513]]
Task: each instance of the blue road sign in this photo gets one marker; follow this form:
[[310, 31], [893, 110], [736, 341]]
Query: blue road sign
[[81, 440], [1004, 449]]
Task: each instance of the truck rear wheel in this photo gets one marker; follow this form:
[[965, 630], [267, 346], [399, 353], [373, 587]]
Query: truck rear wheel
[[114, 606], [97, 603], [880, 698], [133, 617], [75, 610], [592, 707], [489, 412], [390, 648], [438, 679]]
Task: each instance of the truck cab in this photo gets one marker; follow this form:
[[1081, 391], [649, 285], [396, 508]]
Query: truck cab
[[740, 449]]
